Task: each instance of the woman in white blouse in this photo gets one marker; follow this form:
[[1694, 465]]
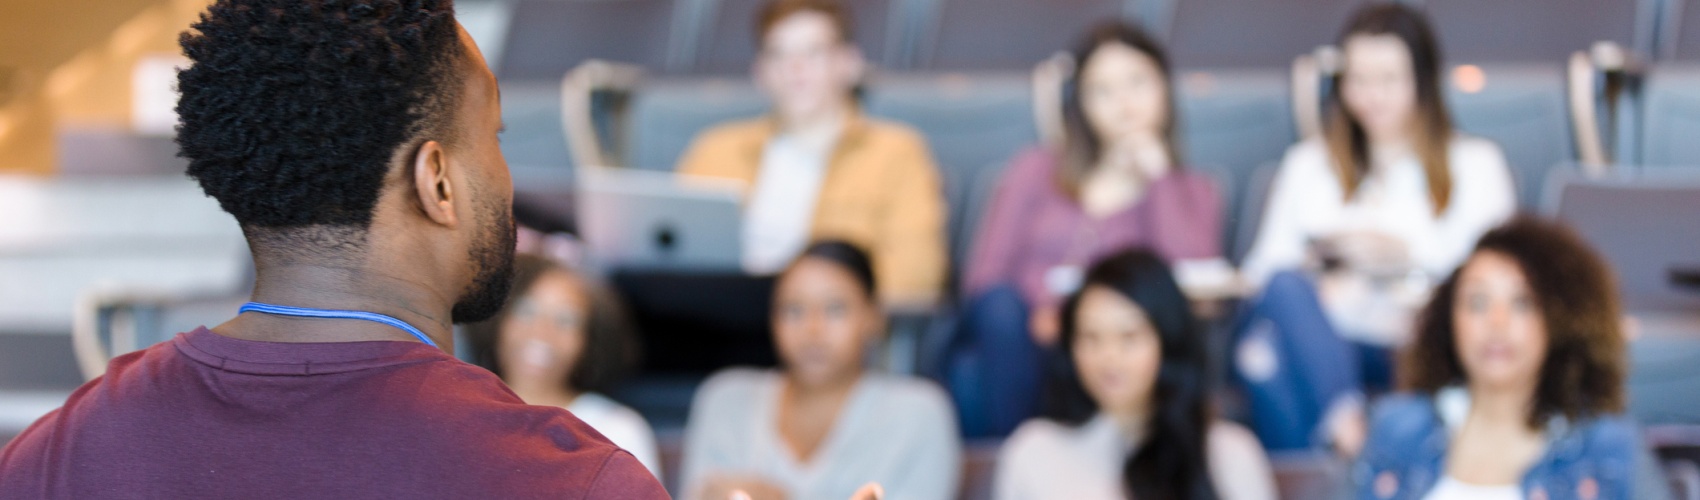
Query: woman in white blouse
[[558, 342], [824, 425], [1386, 201], [1128, 412]]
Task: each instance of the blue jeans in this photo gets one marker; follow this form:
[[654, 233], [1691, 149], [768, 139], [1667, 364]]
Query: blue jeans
[[1294, 365], [993, 368]]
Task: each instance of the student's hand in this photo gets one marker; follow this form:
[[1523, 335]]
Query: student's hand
[[1045, 325], [1370, 250], [870, 491], [740, 488]]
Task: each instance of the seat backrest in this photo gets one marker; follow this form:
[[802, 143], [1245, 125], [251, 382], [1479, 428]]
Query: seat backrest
[[546, 38], [666, 115], [968, 121], [1546, 31], [1643, 223], [729, 42], [1234, 121], [970, 195], [1007, 34], [1682, 25], [104, 151], [65, 235], [1249, 218], [531, 111], [1522, 109], [1251, 33], [1671, 116]]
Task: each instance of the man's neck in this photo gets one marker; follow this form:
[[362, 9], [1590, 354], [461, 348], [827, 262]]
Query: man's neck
[[341, 288], [823, 125]]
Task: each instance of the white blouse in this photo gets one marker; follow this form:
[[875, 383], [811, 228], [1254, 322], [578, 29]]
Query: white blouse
[[621, 425], [1307, 202], [1045, 459]]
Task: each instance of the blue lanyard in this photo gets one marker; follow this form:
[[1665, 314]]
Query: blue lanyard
[[306, 312]]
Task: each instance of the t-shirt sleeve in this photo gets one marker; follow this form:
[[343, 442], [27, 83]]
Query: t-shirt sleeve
[[623, 477]]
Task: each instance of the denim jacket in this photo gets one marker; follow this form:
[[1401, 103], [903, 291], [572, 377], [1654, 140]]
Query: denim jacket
[[1595, 459]]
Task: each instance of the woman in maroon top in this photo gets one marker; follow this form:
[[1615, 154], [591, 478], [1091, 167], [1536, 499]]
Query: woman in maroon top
[[1114, 184]]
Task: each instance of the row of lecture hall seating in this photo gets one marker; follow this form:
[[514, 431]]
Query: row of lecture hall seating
[[964, 84], [196, 274], [547, 37]]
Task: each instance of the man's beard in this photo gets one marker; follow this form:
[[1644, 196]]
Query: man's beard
[[493, 256]]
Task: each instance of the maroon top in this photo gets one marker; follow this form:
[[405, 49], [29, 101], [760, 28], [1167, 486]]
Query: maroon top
[[1033, 226], [208, 416]]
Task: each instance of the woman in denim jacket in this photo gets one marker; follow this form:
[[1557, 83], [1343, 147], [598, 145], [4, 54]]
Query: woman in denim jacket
[[1516, 377]]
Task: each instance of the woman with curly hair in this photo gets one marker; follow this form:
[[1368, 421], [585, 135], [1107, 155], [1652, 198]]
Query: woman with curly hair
[[1516, 382]]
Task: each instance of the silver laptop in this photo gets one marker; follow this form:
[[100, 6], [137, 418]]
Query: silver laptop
[[653, 220]]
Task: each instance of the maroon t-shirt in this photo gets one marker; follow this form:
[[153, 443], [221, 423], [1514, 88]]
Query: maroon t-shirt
[[208, 416]]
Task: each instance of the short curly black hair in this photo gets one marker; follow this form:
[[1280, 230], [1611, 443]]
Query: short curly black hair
[[293, 110]]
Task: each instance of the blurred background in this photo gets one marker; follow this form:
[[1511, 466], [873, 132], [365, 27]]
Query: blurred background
[[102, 235]]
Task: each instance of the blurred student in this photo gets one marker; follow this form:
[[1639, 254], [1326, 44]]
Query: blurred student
[[559, 342], [355, 144], [1388, 199], [823, 425], [1129, 413], [818, 169], [1517, 374], [1115, 183]]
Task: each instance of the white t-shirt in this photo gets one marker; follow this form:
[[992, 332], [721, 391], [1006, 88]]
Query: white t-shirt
[[1045, 459], [1307, 202], [1452, 489], [897, 431], [781, 206], [625, 427]]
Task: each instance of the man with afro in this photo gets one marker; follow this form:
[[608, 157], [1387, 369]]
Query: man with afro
[[355, 143]]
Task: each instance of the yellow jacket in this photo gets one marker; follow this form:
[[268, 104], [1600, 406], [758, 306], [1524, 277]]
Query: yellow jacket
[[881, 193]]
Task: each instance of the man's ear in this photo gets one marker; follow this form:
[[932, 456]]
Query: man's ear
[[431, 183]]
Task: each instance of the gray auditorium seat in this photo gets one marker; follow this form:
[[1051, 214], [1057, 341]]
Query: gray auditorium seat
[[531, 110], [1544, 31], [1246, 222], [116, 151], [969, 120], [1644, 223], [1522, 108], [728, 44], [1671, 117], [665, 115], [1250, 33], [1234, 120], [970, 195], [548, 37], [1005, 34], [1680, 31]]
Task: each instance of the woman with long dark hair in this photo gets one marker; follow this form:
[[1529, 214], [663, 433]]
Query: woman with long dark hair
[[1128, 411], [1116, 182], [1386, 201]]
